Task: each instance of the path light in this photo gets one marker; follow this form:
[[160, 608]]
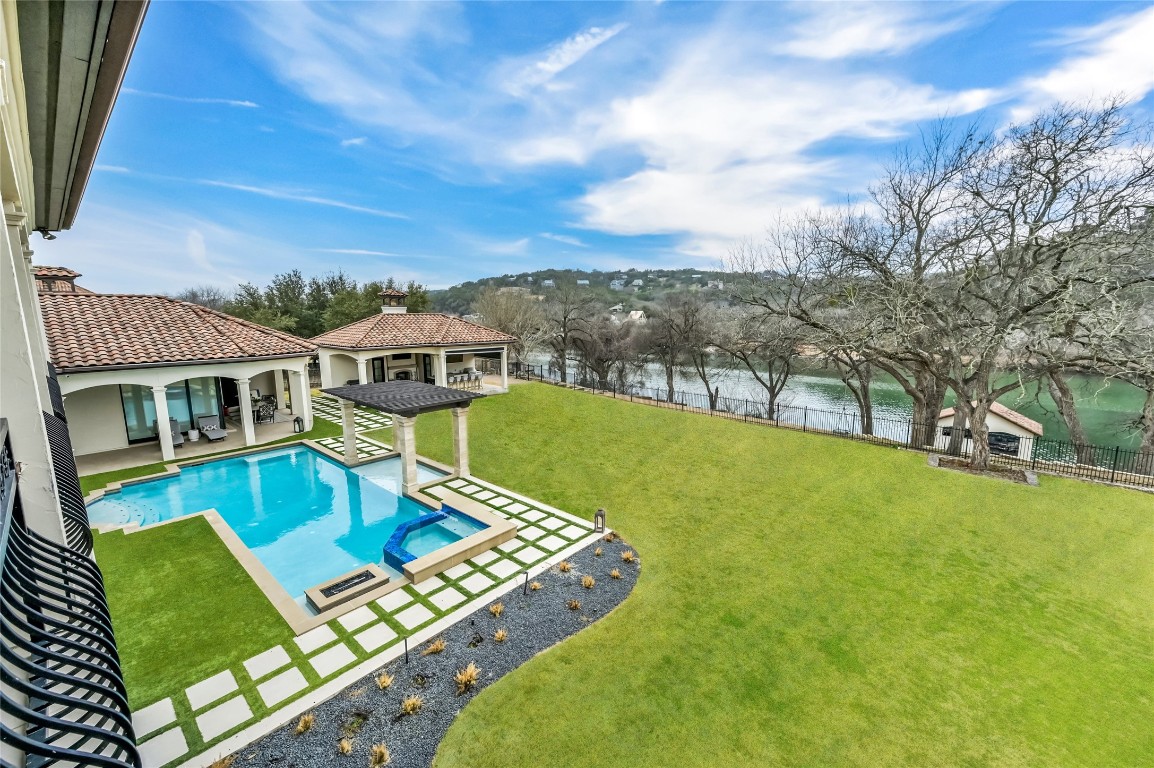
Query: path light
[[599, 521]]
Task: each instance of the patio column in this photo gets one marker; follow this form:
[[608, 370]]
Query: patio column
[[405, 442], [307, 405], [299, 395], [442, 368], [363, 370], [505, 368], [349, 432], [278, 387], [160, 403], [461, 441], [245, 398]]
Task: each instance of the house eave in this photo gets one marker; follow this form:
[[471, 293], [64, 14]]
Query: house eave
[[178, 363]]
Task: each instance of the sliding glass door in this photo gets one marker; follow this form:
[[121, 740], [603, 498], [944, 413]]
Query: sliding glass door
[[186, 400]]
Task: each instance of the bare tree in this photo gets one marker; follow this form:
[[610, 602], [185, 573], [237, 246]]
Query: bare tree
[[766, 345], [566, 308], [517, 314], [607, 351], [210, 296]]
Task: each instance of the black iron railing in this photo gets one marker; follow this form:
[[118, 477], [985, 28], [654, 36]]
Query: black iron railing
[[1111, 464], [76, 526], [54, 394], [63, 697]]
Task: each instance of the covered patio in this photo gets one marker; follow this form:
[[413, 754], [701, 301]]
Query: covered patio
[[404, 401]]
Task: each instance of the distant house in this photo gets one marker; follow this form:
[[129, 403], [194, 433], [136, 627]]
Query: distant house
[[529, 279], [617, 308], [548, 284], [637, 283], [636, 316], [717, 284], [583, 283], [1011, 433], [617, 285]]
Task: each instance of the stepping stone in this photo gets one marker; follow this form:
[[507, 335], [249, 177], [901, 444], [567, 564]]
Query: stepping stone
[[503, 569], [455, 483], [457, 571], [573, 532], [327, 662], [357, 618], [510, 545], [223, 718], [414, 616], [530, 534], [520, 523], [374, 637], [163, 749], [553, 523], [485, 557], [529, 555], [470, 489], [394, 600], [552, 543], [277, 689], [446, 598], [500, 501], [429, 584], [484, 495], [316, 638], [207, 691], [153, 717], [478, 582], [533, 515], [516, 508], [269, 661]]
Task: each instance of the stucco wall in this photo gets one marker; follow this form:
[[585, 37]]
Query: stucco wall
[[995, 423], [96, 420]]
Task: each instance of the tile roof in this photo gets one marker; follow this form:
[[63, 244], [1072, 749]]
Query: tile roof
[[48, 272], [404, 329], [393, 292], [98, 330], [1012, 416], [53, 279]]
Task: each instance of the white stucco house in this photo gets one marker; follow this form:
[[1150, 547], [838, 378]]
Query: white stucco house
[[397, 345], [128, 363], [1011, 433]]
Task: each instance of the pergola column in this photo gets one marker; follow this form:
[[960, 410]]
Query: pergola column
[[160, 404], [461, 441], [349, 432], [245, 398], [504, 368], [405, 442], [278, 388]]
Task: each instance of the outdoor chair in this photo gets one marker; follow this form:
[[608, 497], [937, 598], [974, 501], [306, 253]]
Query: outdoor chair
[[265, 413], [210, 428], [177, 437]]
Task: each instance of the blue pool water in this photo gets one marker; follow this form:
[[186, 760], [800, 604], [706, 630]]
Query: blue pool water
[[307, 518]]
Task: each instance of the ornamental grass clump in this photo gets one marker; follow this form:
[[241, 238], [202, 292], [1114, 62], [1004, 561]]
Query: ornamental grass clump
[[628, 556], [564, 566], [305, 724], [466, 678], [345, 747], [384, 681], [587, 581], [497, 609], [379, 755], [411, 705], [500, 635], [573, 605], [597, 552], [615, 574], [434, 647], [224, 762], [534, 586]]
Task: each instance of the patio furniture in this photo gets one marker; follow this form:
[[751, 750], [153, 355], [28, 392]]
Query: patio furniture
[[265, 413], [177, 437], [210, 427]]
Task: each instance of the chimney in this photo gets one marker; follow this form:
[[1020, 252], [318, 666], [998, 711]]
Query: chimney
[[393, 301]]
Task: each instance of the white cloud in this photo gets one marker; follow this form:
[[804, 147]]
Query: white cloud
[[567, 239], [192, 99], [1109, 59], [359, 252], [357, 142], [560, 57], [280, 194], [111, 168], [842, 30], [506, 247]]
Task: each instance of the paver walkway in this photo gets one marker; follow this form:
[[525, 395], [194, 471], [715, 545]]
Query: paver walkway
[[367, 447], [364, 419], [185, 726]]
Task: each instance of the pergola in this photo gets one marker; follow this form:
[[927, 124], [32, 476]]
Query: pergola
[[404, 401]]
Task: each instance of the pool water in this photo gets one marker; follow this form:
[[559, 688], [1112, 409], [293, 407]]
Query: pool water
[[307, 518]]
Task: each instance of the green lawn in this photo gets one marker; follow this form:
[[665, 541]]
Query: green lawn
[[807, 600]]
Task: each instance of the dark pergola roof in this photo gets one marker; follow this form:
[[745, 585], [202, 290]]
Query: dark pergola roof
[[404, 398]]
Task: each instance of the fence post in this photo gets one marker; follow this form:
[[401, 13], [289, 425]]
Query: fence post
[[1114, 465]]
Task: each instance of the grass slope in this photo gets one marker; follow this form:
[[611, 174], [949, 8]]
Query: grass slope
[[806, 600]]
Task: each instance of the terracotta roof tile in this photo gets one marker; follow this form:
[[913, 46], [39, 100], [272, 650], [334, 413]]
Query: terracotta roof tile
[[402, 329], [92, 330], [1025, 422], [48, 272]]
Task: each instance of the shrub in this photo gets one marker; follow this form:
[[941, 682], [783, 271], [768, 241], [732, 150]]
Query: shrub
[[573, 605], [305, 724], [597, 552], [384, 680], [379, 755], [466, 678], [564, 566], [500, 635], [535, 585], [628, 556], [497, 609], [616, 574], [610, 536], [345, 747], [436, 646], [587, 581], [411, 705]]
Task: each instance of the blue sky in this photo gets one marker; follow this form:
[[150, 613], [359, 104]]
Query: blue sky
[[444, 142]]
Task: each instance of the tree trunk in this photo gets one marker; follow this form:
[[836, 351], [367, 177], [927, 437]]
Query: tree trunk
[[1064, 400], [1146, 460], [562, 361], [935, 394], [669, 381], [957, 431], [980, 453]]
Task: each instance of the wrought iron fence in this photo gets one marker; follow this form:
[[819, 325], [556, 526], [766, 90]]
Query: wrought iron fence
[[1111, 464]]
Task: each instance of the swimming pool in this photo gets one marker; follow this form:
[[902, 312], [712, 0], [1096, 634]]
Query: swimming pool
[[306, 517]]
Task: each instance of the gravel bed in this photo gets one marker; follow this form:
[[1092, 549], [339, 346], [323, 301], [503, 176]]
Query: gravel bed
[[367, 715]]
